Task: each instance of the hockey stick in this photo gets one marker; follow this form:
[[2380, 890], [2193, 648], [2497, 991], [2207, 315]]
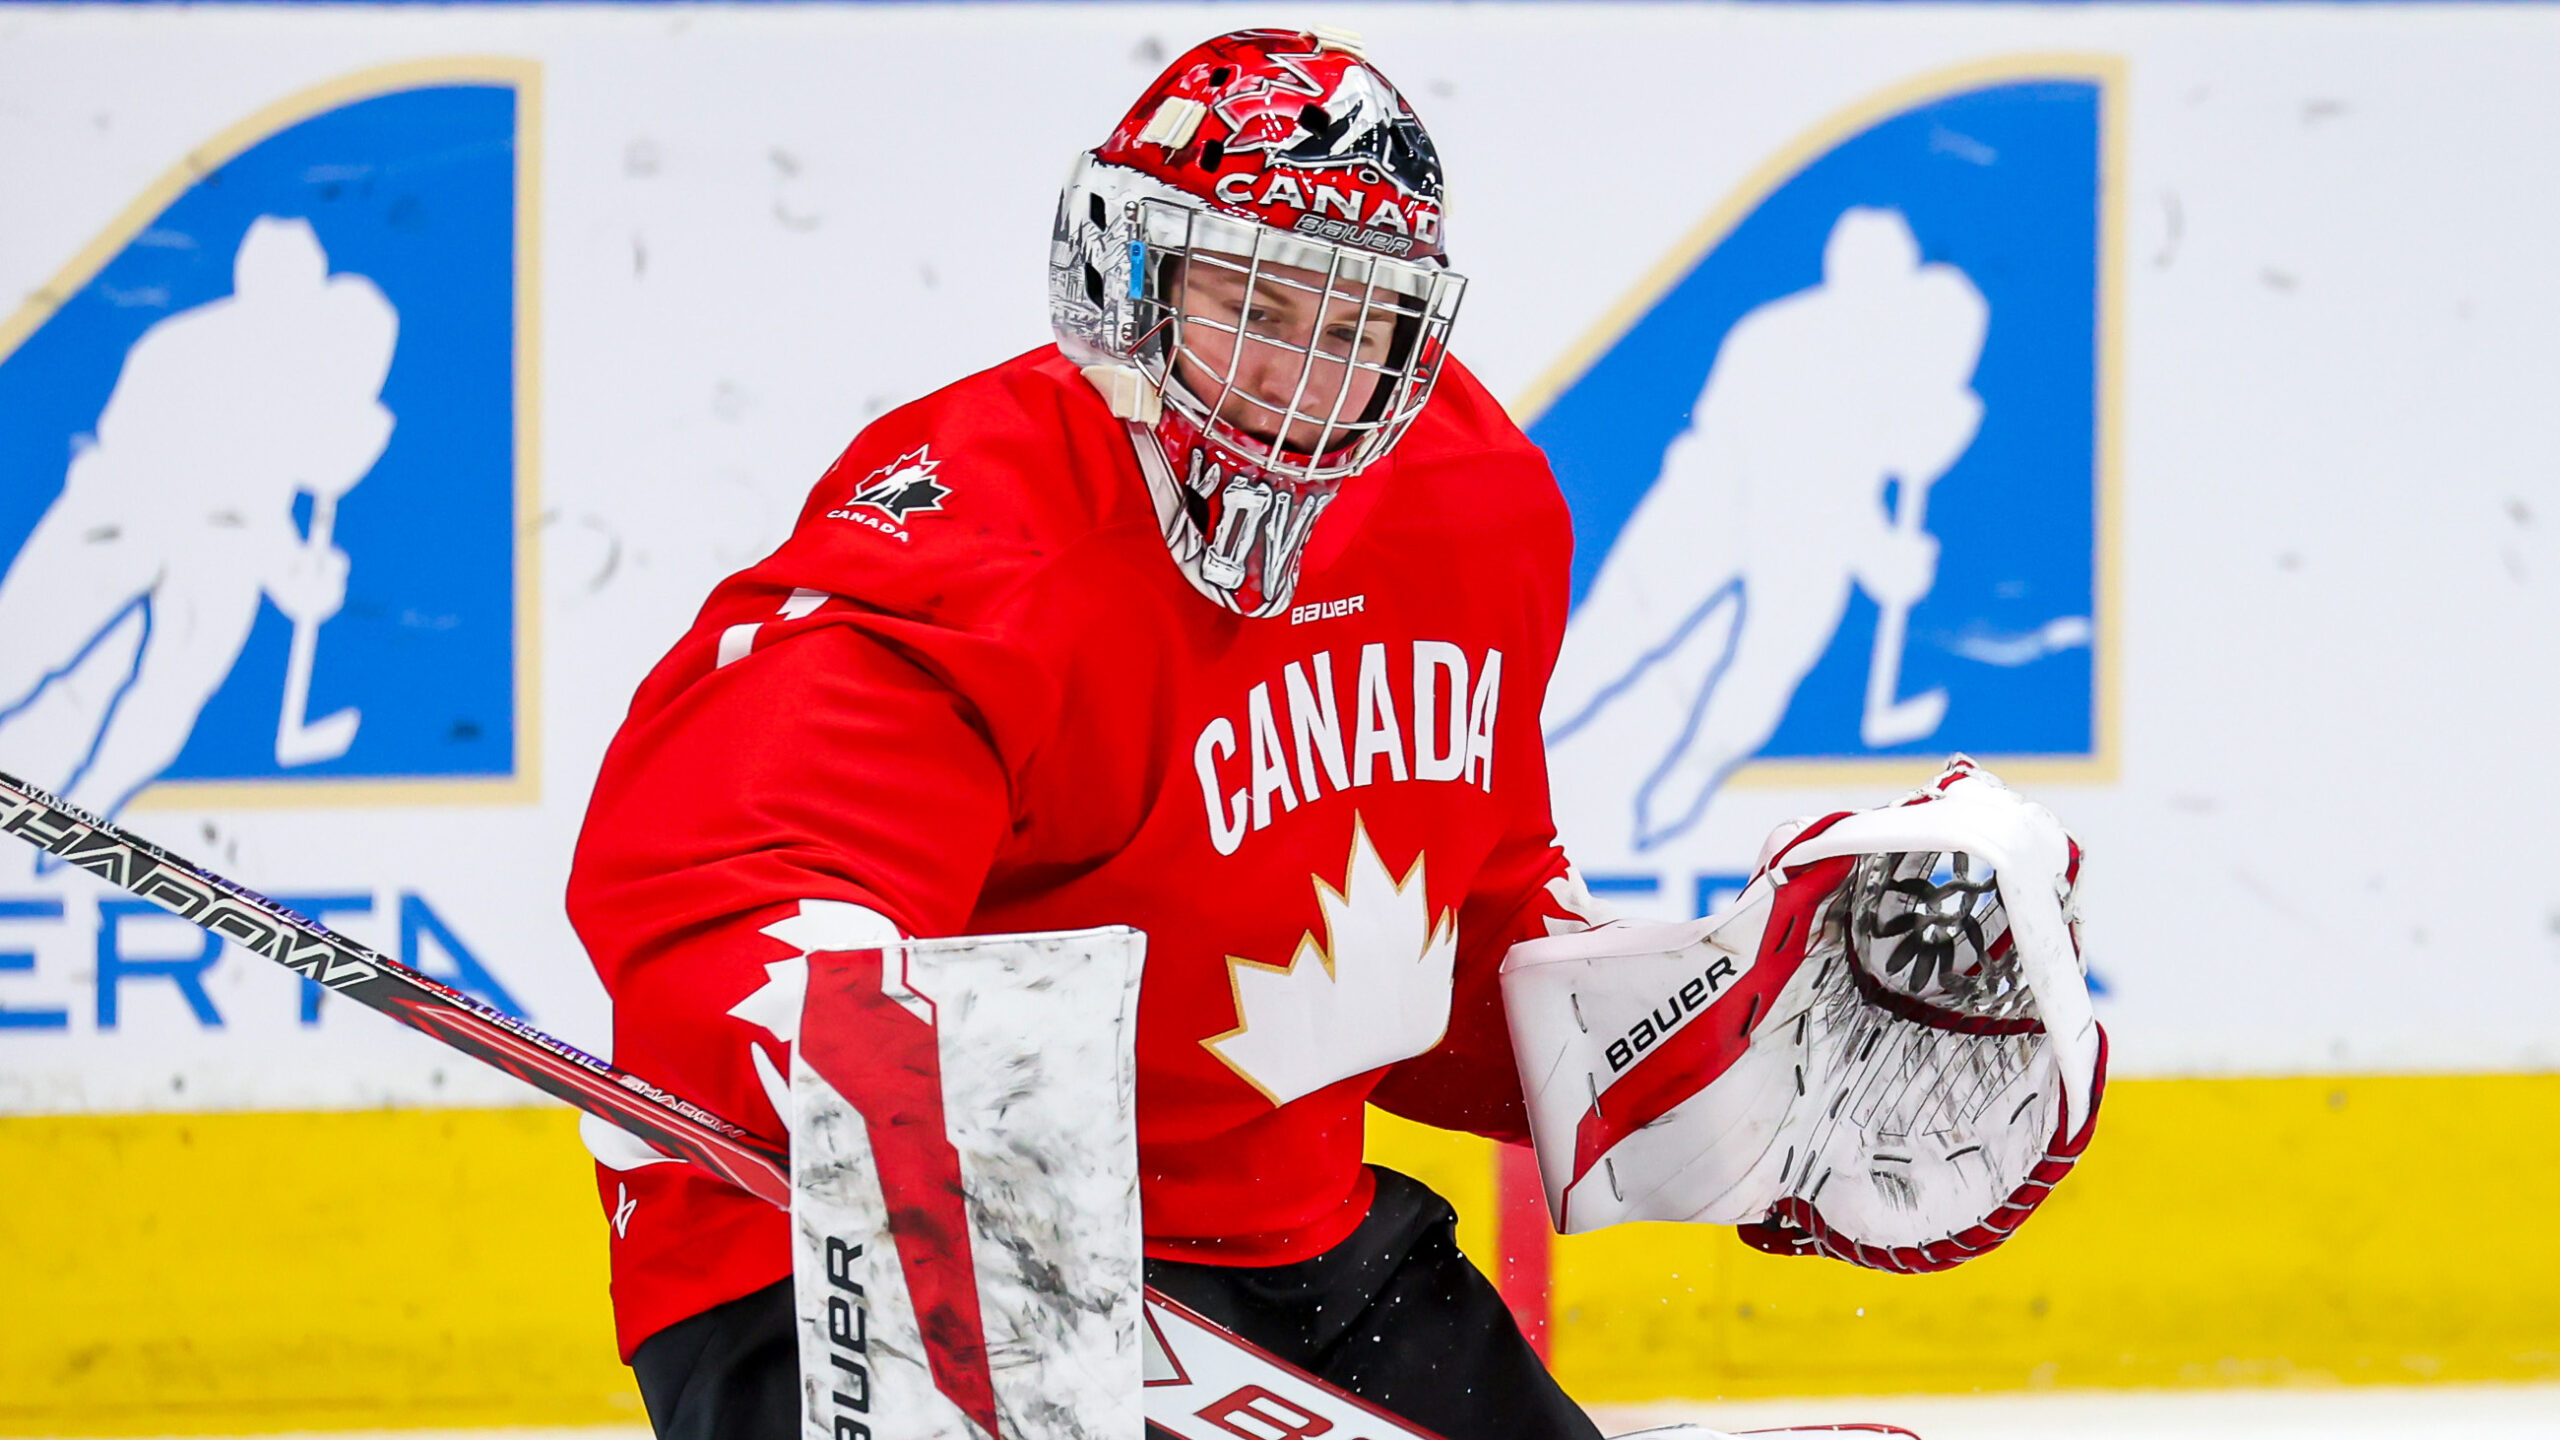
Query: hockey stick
[[258, 924], [1189, 1359]]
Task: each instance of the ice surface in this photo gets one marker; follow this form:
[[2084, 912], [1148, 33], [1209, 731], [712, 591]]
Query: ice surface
[[2437, 1412], [2441, 1412]]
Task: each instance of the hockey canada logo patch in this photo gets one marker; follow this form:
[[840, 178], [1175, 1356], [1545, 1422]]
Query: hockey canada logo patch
[[904, 486]]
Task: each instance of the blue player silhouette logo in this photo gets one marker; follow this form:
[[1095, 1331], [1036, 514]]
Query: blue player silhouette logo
[[1835, 490], [259, 496], [1803, 476], [130, 603]]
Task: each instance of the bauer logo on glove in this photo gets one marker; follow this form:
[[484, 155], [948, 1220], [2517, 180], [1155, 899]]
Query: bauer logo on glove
[[1882, 1052]]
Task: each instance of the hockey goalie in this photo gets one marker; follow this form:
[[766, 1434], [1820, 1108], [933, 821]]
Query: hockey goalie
[[1217, 633]]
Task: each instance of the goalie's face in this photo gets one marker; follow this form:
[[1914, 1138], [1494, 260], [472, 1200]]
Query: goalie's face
[[1284, 354], [1250, 267]]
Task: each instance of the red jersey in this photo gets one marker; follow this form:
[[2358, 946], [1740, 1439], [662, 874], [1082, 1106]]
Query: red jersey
[[974, 693]]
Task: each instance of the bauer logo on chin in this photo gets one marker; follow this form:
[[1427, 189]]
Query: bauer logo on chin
[[1836, 486], [259, 488]]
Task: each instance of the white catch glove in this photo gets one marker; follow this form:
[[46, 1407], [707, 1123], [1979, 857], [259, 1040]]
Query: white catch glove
[[1883, 1052]]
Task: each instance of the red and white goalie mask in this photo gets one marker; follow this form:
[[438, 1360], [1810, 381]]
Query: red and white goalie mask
[[1883, 1052], [1250, 270]]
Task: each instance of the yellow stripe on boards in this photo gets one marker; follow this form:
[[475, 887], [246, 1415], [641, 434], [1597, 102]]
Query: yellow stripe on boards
[[171, 1274], [2221, 1232], [233, 1274], [2381, 1229]]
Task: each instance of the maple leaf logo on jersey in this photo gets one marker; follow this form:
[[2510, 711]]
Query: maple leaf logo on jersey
[[903, 485], [1377, 990]]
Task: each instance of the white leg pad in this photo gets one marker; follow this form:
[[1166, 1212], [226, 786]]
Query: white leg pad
[[964, 1215]]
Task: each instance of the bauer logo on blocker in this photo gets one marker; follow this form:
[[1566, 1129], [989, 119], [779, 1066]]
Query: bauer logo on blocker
[[1836, 487], [259, 480]]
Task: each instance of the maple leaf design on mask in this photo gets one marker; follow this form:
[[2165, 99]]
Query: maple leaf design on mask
[[1375, 992]]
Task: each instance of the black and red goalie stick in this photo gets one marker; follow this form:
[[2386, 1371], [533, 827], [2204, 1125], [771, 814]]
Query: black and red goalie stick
[[668, 1121]]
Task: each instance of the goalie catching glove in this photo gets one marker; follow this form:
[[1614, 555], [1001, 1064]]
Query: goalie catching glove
[[1883, 1052]]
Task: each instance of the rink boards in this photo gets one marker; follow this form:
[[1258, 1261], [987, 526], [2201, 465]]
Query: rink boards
[[2243, 563], [235, 1273]]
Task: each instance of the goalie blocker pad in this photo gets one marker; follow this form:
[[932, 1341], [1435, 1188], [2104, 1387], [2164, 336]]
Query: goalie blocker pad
[[964, 1169], [1883, 1051]]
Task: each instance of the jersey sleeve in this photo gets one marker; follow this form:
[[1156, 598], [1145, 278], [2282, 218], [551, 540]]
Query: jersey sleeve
[[827, 753], [834, 753]]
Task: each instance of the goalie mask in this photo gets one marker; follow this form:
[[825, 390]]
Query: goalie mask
[[1250, 270], [1883, 1052]]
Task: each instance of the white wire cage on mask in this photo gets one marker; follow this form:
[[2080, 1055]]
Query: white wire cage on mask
[[1301, 358]]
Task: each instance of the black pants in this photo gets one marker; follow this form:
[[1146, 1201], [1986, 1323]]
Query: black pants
[[1395, 1315]]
